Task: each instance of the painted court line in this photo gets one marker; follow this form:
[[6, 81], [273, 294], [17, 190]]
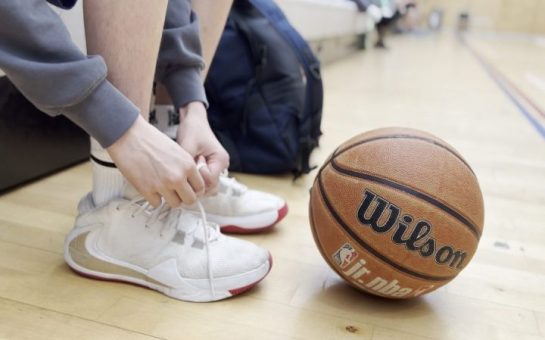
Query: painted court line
[[522, 94], [511, 91]]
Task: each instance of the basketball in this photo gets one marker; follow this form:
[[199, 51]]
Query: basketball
[[396, 212]]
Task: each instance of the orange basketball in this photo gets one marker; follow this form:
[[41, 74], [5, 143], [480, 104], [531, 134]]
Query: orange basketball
[[396, 212]]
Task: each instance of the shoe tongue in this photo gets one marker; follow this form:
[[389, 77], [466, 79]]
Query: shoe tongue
[[191, 223]]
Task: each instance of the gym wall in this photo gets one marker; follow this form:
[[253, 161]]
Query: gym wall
[[520, 16]]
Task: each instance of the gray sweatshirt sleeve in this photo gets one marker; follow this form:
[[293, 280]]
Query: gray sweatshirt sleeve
[[39, 57], [180, 61]]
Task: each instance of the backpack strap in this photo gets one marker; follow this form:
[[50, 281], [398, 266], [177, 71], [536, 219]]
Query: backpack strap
[[315, 93], [259, 54]]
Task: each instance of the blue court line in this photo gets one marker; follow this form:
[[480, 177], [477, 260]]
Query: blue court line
[[496, 76]]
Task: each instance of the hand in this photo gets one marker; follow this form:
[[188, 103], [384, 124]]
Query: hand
[[156, 166], [196, 137]]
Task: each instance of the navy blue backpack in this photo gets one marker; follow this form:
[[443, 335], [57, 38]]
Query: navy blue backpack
[[265, 92]]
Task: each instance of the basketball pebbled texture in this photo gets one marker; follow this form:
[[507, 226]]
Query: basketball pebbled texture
[[396, 212]]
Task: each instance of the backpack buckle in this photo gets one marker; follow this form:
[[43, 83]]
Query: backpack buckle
[[315, 70]]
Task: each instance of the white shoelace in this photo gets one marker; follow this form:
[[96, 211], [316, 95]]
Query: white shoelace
[[206, 243], [163, 211]]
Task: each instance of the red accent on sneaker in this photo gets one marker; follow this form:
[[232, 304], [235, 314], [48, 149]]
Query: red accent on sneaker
[[233, 229], [241, 290], [281, 213], [234, 292]]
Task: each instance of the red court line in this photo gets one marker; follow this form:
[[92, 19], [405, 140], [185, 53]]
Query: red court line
[[524, 96], [508, 88], [498, 74]]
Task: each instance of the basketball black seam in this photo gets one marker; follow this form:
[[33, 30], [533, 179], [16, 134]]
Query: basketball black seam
[[370, 249], [430, 141], [318, 241], [410, 191], [326, 258]]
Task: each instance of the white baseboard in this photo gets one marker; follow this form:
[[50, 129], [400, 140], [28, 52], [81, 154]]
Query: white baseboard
[[334, 28], [324, 19]]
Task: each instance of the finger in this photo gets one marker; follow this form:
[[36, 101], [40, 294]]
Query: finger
[[196, 181], [201, 162], [209, 181], [216, 165], [188, 145], [172, 198], [186, 193], [154, 199]]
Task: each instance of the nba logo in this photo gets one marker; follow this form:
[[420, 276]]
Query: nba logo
[[345, 255]]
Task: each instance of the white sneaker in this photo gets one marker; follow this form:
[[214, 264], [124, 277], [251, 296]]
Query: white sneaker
[[235, 208], [169, 250], [240, 210]]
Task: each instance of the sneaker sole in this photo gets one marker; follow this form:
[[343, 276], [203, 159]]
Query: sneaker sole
[[232, 292], [239, 227], [139, 278]]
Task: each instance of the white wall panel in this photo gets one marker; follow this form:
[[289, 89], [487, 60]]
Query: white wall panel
[[320, 19]]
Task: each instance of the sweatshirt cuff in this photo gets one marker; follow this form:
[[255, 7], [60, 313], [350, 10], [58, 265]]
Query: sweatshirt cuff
[[185, 85], [106, 114]]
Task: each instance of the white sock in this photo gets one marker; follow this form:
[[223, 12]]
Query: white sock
[[108, 182], [165, 119]]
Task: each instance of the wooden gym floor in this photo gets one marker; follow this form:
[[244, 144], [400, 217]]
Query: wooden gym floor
[[428, 82]]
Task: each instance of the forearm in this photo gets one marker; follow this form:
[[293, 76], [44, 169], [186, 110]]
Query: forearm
[[38, 56]]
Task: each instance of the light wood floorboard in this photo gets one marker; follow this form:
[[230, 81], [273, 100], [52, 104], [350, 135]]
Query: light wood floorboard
[[429, 82]]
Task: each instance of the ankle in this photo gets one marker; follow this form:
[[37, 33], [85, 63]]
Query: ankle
[[108, 182]]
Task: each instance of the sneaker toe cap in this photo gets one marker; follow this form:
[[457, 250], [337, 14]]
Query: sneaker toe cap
[[257, 201], [241, 256]]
